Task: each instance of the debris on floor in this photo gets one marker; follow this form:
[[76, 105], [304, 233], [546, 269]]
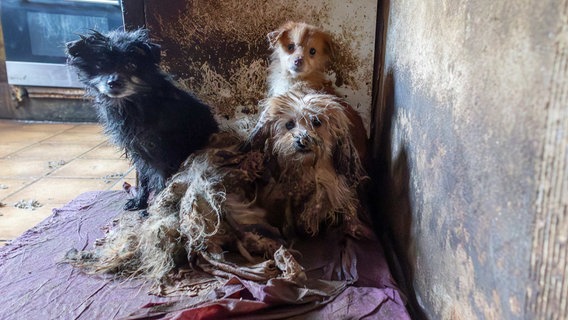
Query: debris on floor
[[30, 204], [55, 164], [109, 178]]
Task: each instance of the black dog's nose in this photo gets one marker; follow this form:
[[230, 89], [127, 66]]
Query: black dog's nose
[[300, 144], [298, 62], [114, 82]]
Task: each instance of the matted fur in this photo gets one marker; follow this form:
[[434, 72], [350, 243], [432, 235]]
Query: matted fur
[[295, 178], [315, 168], [202, 213], [141, 108]]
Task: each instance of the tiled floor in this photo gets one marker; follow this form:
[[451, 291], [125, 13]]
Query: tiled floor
[[51, 164]]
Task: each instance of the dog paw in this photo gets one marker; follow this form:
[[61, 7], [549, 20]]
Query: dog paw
[[134, 204]]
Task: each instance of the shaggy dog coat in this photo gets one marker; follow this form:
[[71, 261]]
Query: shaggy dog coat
[[141, 109]]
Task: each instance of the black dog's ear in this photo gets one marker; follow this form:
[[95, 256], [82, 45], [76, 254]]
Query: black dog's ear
[[74, 48], [156, 51], [84, 45], [146, 49], [144, 46]]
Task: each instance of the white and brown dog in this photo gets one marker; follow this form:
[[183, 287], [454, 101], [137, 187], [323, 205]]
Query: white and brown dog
[[315, 171], [301, 55]]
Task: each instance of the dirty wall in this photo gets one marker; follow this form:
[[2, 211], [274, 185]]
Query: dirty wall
[[474, 99], [219, 49]]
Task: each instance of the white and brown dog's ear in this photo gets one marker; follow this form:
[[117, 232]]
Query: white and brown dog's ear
[[276, 35]]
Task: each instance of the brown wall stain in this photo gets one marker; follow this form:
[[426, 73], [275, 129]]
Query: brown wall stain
[[219, 51]]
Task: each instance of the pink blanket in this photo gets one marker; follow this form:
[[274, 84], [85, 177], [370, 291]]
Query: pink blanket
[[36, 285]]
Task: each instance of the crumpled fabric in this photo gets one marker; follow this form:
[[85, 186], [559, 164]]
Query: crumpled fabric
[[347, 279]]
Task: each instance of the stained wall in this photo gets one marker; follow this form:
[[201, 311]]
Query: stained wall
[[219, 49], [474, 112]]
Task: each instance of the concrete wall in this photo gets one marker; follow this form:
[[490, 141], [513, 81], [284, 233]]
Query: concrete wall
[[472, 132]]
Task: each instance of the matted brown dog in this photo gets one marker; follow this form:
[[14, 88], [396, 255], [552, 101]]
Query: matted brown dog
[[315, 168]]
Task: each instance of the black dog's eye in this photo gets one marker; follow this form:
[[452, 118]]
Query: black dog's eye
[[130, 66], [312, 51], [316, 122], [291, 47], [290, 125]]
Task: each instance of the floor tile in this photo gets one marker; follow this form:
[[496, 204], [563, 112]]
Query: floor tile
[[9, 124], [52, 190], [93, 168], [10, 186], [7, 149], [43, 127], [78, 137], [86, 128], [23, 168], [20, 136], [15, 221], [53, 163], [104, 151], [52, 151]]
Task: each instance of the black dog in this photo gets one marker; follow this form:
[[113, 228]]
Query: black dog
[[142, 110]]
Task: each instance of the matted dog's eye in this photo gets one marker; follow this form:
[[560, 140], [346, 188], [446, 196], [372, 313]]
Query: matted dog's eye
[[290, 125], [312, 51], [291, 47], [316, 122]]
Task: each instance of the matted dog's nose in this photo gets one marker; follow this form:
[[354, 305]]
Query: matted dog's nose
[[303, 142], [298, 61], [114, 82]]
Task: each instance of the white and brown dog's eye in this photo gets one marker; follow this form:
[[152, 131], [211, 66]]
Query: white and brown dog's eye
[[312, 51], [291, 47], [316, 122], [290, 125]]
